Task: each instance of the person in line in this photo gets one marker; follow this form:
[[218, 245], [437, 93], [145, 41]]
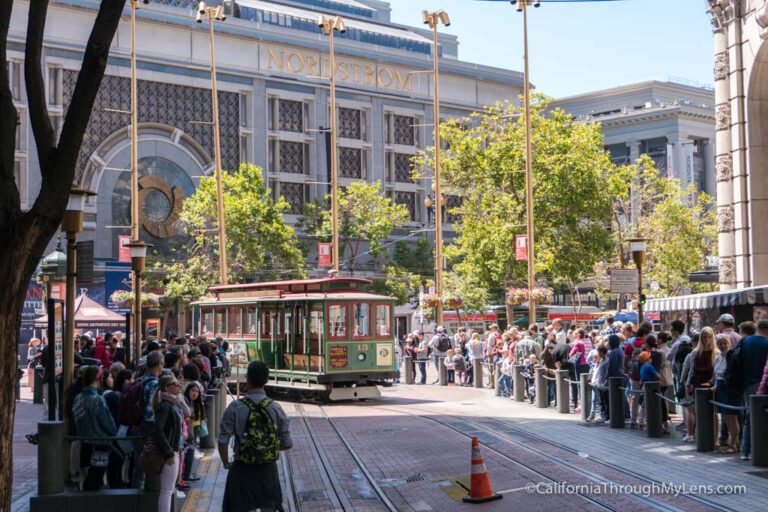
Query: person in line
[[726, 325], [598, 380], [505, 377], [460, 367], [139, 395], [167, 435], [261, 430], [701, 373], [440, 345], [422, 356], [724, 395], [754, 353], [550, 365], [580, 347], [475, 353], [615, 364], [763, 388]]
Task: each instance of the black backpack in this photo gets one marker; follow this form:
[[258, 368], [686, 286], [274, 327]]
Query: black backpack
[[443, 343], [734, 370], [682, 352]]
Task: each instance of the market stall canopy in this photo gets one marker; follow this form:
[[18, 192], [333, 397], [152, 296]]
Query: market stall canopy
[[89, 314], [745, 296]]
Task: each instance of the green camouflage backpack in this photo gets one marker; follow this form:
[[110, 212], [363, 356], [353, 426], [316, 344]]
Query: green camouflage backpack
[[260, 443]]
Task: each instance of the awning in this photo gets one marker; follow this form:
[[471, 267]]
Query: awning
[[744, 296]]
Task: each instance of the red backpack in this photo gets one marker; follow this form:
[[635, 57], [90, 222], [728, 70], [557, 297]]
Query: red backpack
[[130, 409]]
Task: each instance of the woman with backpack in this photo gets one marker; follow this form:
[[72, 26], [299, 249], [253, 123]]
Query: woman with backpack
[[725, 395], [168, 436]]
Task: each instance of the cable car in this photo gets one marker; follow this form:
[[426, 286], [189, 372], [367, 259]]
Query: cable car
[[325, 338]]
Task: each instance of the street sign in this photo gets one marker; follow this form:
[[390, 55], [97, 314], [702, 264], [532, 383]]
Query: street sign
[[54, 365], [521, 247], [324, 254], [123, 252], [85, 262], [624, 280]]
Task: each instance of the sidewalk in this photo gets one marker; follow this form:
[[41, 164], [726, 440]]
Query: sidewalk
[[24, 454]]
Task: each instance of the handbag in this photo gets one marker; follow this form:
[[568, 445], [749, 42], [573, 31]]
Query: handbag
[[202, 429], [151, 459], [99, 458]]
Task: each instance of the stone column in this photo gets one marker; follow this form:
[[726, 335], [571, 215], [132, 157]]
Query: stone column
[[723, 156]]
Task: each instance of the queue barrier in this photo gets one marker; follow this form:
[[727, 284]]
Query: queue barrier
[[562, 392], [616, 402], [518, 383], [409, 369], [585, 396]]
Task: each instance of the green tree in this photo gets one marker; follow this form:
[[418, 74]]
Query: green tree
[[366, 214], [260, 245], [417, 257], [399, 283], [485, 165]]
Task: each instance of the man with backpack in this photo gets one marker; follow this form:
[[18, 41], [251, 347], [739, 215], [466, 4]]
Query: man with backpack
[[136, 411], [440, 345], [632, 350], [260, 428], [749, 360]]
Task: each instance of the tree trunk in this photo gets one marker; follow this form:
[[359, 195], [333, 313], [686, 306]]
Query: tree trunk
[[25, 235]]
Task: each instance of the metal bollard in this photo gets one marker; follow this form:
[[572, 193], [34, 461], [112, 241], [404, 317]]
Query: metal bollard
[[758, 424], [408, 362], [497, 376], [209, 441], [49, 456], [477, 373], [585, 395], [37, 393], [542, 391], [562, 392], [616, 402], [653, 410], [518, 383], [443, 371], [705, 420]]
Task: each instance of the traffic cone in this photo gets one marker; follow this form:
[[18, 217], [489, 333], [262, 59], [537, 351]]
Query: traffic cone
[[480, 485]]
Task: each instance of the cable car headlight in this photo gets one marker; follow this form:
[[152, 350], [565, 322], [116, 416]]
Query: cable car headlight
[[361, 356]]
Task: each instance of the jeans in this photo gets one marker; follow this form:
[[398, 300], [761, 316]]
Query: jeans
[[423, 371], [505, 383], [189, 459], [746, 440], [451, 375], [597, 404], [551, 391], [637, 412], [168, 476], [436, 361]]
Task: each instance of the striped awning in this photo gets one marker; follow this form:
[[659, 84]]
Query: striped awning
[[744, 296]]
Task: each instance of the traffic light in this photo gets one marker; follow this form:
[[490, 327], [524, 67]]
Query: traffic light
[[642, 299]]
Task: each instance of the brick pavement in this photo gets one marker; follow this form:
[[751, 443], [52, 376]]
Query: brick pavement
[[24, 454]]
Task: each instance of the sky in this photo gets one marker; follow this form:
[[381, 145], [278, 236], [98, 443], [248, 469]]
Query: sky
[[581, 47]]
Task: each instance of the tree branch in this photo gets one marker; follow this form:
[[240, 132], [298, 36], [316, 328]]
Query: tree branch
[[33, 74], [10, 205], [59, 170]]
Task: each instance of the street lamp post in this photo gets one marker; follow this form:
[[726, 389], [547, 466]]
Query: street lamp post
[[638, 246], [433, 19], [216, 14], [72, 224], [329, 26], [138, 257]]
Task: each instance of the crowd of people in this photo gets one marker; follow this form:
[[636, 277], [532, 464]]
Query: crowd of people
[[730, 359]]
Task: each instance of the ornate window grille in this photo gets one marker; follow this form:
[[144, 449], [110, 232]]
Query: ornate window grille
[[292, 157], [403, 168], [350, 162], [408, 199], [291, 115], [350, 123], [294, 195], [404, 131]]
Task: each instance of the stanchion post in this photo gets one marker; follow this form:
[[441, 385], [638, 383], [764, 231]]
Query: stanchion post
[[50, 475], [497, 376], [408, 362], [616, 401], [562, 388], [442, 371], [653, 410], [518, 383], [758, 424], [705, 420], [542, 389], [585, 395], [209, 441], [477, 373]]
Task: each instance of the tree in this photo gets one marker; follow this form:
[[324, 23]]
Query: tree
[[366, 214], [417, 257], [399, 283], [485, 165], [26, 234], [260, 245]]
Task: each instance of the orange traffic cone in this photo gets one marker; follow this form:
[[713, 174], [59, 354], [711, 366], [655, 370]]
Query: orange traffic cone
[[480, 484]]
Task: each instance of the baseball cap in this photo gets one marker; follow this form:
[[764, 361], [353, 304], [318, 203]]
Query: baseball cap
[[440, 328], [726, 318]]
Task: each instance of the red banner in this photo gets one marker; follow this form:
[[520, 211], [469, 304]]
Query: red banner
[[323, 254], [123, 252], [521, 247]]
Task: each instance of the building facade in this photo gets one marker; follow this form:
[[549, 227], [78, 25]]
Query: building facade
[[671, 121], [273, 65], [740, 29]]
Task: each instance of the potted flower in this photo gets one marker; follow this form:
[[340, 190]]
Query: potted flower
[[430, 300], [542, 295], [453, 303], [516, 296], [124, 299]]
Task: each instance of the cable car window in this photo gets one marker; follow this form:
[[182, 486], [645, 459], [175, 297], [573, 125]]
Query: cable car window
[[315, 323], [249, 321], [362, 319], [221, 322], [207, 327], [235, 323], [337, 321], [383, 320]]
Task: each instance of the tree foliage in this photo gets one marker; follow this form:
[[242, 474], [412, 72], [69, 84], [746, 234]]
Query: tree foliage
[[366, 214], [260, 245], [485, 165]]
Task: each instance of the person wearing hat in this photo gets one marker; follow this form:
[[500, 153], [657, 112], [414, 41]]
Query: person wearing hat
[[648, 372], [440, 345], [725, 325]]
